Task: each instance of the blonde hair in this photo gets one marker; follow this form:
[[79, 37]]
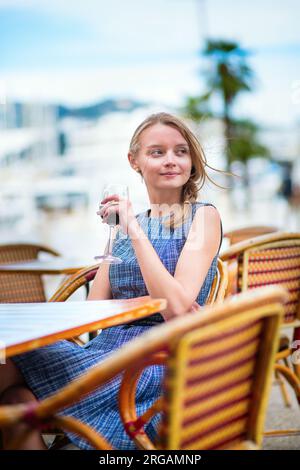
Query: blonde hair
[[198, 175]]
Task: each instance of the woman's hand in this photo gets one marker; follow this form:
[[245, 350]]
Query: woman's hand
[[115, 205], [195, 308]]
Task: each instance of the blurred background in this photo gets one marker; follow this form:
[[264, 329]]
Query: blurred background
[[77, 77]]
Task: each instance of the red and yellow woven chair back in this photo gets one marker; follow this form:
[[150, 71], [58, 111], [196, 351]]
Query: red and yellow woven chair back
[[268, 260], [276, 263], [21, 287], [217, 383]]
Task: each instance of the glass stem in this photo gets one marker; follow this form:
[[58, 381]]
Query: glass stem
[[110, 240]]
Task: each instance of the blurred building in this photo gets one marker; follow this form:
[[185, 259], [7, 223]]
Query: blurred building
[[28, 131]]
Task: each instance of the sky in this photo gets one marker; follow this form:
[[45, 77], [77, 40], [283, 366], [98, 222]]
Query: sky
[[79, 51]]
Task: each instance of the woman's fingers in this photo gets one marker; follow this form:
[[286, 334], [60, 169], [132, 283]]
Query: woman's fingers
[[105, 207], [111, 211], [113, 197], [115, 208]]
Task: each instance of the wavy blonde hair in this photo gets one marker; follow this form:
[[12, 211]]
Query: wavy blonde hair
[[198, 175]]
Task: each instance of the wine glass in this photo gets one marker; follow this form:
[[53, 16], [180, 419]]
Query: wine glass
[[113, 219]]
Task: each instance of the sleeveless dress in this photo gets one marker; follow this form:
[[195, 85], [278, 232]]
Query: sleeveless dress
[[48, 369]]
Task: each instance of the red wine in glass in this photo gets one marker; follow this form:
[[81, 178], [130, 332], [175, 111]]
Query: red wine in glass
[[112, 220]]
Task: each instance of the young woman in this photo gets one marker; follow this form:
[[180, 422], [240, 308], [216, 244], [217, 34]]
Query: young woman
[[169, 251]]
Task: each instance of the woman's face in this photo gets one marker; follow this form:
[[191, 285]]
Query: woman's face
[[164, 157]]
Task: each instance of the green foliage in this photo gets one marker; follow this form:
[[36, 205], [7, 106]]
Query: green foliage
[[229, 73], [227, 76], [244, 143], [197, 107]]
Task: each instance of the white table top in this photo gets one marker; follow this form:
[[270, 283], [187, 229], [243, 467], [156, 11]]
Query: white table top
[[54, 265], [30, 325]]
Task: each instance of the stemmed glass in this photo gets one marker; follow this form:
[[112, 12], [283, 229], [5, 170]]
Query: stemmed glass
[[122, 191]]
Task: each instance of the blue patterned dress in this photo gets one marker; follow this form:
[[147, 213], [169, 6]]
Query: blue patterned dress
[[48, 369]]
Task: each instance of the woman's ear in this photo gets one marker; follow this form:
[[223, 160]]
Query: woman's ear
[[133, 163]]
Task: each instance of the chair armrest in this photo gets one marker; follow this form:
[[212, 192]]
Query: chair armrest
[[127, 406]]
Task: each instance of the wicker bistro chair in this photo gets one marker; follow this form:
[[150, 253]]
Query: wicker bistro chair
[[22, 287], [219, 285], [217, 379], [272, 259], [87, 275], [81, 278], [245, 233]]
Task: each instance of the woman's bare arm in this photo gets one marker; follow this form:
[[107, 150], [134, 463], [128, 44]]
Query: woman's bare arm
[[100, 289], [193, 264], [180, 290]]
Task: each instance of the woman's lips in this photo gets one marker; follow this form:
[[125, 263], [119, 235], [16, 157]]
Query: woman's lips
[[169, 175]]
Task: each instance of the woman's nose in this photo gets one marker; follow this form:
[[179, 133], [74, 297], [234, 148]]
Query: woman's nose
[[169, 157]]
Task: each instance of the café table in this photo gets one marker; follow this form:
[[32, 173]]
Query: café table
[[57, 265], [27, 326]]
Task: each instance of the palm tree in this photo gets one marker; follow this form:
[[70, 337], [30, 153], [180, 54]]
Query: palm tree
[[227, 77]]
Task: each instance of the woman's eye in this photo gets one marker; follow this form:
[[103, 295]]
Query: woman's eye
[[182, 151], [156, 152]]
